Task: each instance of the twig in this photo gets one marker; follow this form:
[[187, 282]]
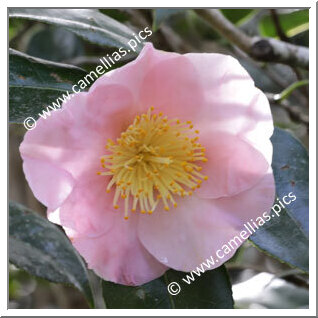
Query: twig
[[280, 32], [176, 42], [294, 112], [288, 90], [262, 49]]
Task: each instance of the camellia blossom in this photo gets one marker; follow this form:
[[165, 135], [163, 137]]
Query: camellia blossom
[[158, 166]]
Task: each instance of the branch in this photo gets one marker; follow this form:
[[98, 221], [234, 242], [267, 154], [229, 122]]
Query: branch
[[261, 49]]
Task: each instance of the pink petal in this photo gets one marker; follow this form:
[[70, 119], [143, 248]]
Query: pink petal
[[189, 234], [72, 140], [88, 210], [233, 165], [231, 101], [172, 87], [167, 81], [52, 184], [118, 255]]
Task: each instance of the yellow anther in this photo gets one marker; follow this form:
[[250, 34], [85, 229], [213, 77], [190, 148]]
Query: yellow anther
[[155, 153], [188, 169], [126, 217]]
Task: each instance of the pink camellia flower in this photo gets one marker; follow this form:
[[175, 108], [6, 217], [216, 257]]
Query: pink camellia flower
[[158, 166]]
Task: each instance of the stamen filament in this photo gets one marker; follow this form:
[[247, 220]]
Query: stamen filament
[[156, 157]]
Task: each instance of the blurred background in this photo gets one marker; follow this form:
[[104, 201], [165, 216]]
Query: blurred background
[[258, 280]]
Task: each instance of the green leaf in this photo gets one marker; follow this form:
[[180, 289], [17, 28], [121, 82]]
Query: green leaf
[[55, 44], [291, 23], [211, 290], [15, 26], [89, 24], [35, 83], [238, 16], [42, 249], [286, 237], [160, 15]]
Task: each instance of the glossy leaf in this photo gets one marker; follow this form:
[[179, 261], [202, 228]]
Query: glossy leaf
[[43, 250], [55, 44], [35, 83], [292, 23], [211, 290], [89, 24], [286, 237]]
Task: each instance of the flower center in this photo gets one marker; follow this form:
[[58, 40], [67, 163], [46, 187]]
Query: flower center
[[154, 160]]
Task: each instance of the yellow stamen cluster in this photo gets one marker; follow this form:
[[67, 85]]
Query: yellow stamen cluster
[[153, 160]]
